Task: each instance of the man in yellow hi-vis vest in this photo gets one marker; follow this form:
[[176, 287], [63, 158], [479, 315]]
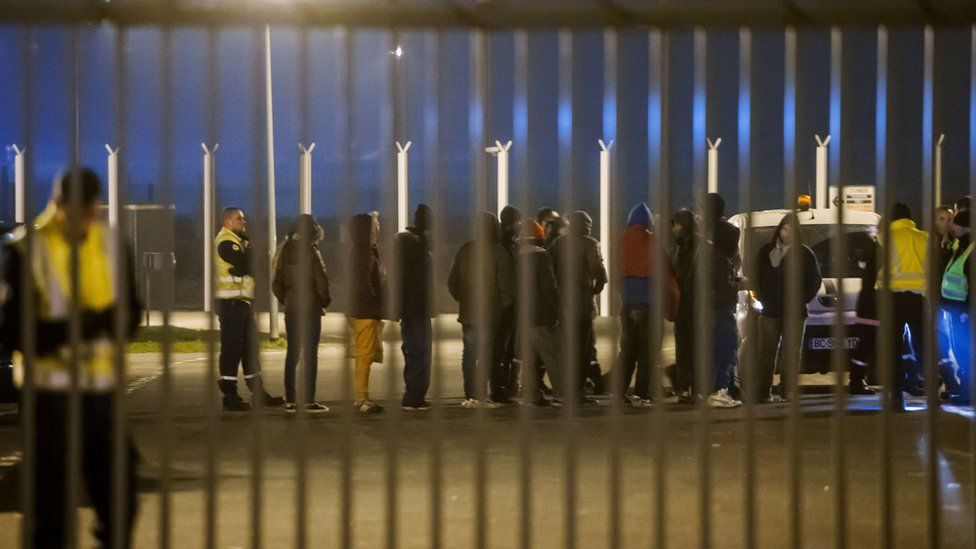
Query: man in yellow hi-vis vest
[[57, 367], [234, 292], [907, 272]]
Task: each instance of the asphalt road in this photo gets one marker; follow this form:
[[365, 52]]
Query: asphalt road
[[526, 458]]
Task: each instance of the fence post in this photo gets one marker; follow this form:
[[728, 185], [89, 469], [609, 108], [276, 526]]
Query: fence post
[[113, 187], [821, 199], [208, 223], [605, 222], [713, 164], [938, 170], [19, 204], [403, 183], [305, 180], [500, 152]]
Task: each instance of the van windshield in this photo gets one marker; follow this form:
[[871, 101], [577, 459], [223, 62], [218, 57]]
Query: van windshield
[[823, 240]]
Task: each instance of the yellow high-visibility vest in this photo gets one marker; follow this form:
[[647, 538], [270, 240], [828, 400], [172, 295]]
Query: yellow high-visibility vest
[[228, 285], [907, 260], [50, 265]]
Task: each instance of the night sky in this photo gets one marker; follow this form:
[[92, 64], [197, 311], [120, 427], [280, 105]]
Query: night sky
[[240, 124]]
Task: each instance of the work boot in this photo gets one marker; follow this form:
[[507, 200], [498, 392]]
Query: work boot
[[234, 403], [858, 387]]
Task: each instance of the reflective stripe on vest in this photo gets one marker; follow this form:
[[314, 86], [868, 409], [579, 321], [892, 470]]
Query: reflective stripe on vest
[[229, 286], [955, 285], [51, 270]]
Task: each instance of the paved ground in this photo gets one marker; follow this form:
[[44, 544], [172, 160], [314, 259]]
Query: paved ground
[[447, 447]]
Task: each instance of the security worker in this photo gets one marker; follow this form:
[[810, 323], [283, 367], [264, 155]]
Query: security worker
[[58, 368], [906, 269], [956, 300], [235, 291]]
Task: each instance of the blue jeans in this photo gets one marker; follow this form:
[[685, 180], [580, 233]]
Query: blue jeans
[[961, 342], [725, 347], [415, 333]]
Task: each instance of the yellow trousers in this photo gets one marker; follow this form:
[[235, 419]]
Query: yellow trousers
[[367, 349]]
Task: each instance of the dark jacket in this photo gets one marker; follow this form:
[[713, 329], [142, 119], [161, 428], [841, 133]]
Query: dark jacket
[[51, 335], [867, 299], [367, 287], [772, 285], [683, 259], [412, 275], [482, 266], [639, 254], [539, 282], [300, 280], [579, 268]]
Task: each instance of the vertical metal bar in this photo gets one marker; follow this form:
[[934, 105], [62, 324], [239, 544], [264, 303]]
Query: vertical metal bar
[[659, 178], [302, 331], [165, 403], [790, 325], [520, 127], [610, 76], [434, 47], [838, 354], [120, 441], [706, 358], [478, 124], [75, 410], [884, 351], [747, 368], [573, 393], [261, 119], [396, 132], [272, 204], [972, 265], [346, 39], [211, 404], [28, 393], [933, 487]]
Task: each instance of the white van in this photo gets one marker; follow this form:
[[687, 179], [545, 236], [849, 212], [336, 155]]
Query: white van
[[820, 233]]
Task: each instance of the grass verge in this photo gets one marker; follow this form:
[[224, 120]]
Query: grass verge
[[149, 339]]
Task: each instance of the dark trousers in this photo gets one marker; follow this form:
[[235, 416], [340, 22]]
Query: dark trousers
[[865, 354], [50, 475], [634, 350], [774, 354], [504, 378], [237, 346], [478, 341], [909, 309], [961, 343], [576, 336], [415, 333], [725, 347], [684, 353], [303, 331]]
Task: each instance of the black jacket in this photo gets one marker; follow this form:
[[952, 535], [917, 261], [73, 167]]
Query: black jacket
[[301, 289], [412, 275], [579, 268], [867, 298], [537, 282], [772, 284], [482, 275]]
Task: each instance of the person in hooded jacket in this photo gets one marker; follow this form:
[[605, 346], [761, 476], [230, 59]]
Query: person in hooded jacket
[[581, 276], [772, 291], [511, 229], [552, 224], [684, 230], [367, 297], [301, 284], [482, 281], [538, 314], [414, 296], [639, 254]]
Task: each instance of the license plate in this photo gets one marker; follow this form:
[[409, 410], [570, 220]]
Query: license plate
[[827, 343]]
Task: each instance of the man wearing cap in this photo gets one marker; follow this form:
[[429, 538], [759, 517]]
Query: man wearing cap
[[956, 301]]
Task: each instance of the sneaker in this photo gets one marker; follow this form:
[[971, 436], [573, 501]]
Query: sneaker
[[492, 405], [770, 399], [314, 407], [721, 399], [234, 403], [542, 402], [291, 407], [417, 407], [641, 403], [367, 407], [859, 388], [470, 403]]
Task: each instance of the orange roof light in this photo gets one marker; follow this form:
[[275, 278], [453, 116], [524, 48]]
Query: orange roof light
[[804, 202]]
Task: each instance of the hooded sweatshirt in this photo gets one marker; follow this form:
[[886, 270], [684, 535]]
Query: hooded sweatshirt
[[638, 254], [412, 278], [483, 274], [367, 288]]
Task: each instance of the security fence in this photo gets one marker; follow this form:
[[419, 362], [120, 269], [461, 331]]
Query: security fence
[[496, 462]]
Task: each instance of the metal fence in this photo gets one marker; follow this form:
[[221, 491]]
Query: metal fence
[[512, 459]]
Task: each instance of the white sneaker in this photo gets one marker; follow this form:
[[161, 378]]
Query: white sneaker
[[316, 408], [721, 399], [367, 407], [470, 403], [641, 403]]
